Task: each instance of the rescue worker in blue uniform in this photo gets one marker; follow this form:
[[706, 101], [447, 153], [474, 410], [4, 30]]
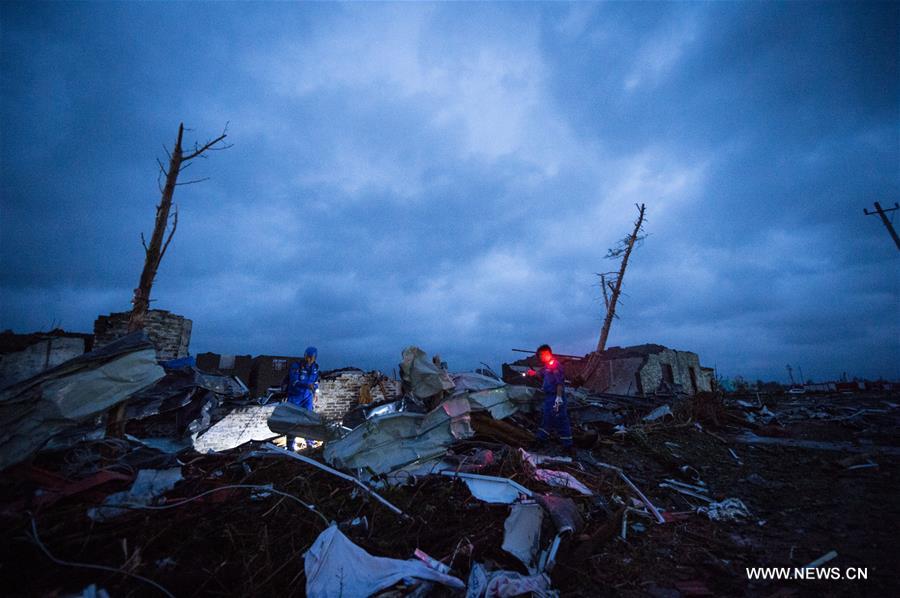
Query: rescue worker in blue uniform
[[302, 383], [555, 415]]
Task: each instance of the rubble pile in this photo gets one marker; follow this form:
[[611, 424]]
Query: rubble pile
[[124, 477]]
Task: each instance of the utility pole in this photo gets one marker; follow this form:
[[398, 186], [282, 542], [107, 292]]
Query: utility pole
[[887, 223], [624, 249], [791, 374]]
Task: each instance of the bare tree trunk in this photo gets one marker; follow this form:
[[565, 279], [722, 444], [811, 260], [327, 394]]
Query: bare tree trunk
[[153, 254], [611, 307]]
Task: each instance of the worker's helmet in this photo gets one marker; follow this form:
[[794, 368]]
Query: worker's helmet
[[311, 352]]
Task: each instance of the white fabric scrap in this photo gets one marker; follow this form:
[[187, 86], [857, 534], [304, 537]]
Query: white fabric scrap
[[561, 479], [149, 484], [335, 566]]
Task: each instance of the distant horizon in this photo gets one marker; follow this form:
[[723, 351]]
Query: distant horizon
[[452, 176]]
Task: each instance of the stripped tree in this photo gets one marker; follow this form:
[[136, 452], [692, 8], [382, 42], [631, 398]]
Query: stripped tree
[[179, 160], [613, 285]]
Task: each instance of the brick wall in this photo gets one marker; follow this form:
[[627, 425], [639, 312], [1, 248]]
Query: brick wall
[[241, 425], [339, 391], [169, 333]]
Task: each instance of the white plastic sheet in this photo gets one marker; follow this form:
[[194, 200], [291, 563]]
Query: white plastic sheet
[[522, 533], [337, 567], [148, 484], [491, 489]]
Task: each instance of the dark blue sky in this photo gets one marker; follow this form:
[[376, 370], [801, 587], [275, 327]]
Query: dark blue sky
[[452, 175]]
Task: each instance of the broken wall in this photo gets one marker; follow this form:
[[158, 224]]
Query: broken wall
[[685, 371], [227, 365], [617, 376], [169, 333], [268, 371], [339, 391]]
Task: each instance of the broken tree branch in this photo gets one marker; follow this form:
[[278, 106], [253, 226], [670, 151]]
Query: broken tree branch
[[192, 182], [624, 249]]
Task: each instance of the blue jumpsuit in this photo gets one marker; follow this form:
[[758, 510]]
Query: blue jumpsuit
[[299, 379], [298, 391], [555, 420]]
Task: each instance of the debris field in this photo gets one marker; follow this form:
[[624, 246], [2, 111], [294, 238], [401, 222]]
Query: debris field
[[436, 492]]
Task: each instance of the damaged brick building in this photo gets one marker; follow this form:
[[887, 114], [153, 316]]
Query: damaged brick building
[[640, 370], [645, 369], [170, 333], [339, 390]]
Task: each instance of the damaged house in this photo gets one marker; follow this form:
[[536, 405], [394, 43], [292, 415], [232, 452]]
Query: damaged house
[[643, 370], [640, 370]]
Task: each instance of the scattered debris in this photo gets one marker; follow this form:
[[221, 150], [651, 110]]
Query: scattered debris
[[659, 413], [522, 532], [57, 401], [503, 584], [149, 484], [337, 567], [828, 556], [491, 489], [436, 480], [730, 509]]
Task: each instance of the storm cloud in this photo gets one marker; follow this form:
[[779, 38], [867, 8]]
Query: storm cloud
[[451, 175]]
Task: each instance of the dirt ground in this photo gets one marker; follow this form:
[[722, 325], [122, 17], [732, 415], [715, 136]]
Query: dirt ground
[[803, 501]]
